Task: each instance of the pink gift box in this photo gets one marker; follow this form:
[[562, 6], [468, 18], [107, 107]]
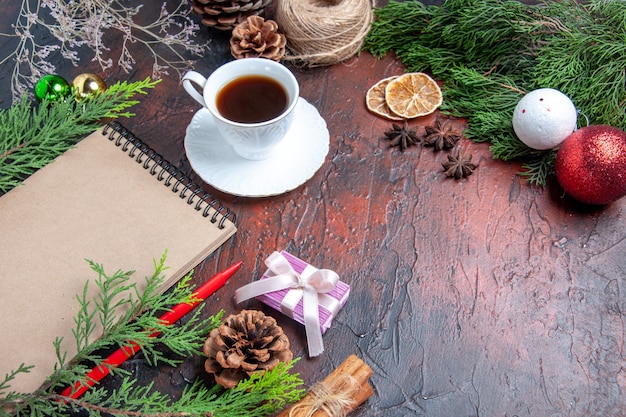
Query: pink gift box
[[339, 294]]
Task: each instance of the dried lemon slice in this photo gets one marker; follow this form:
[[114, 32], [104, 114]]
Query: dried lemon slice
[[413, 94], [375, 99]]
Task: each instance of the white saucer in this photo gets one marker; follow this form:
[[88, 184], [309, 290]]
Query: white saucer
[[295, 160]]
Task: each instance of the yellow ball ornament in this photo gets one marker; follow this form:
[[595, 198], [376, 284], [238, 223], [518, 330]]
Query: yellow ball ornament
[[88, 84]]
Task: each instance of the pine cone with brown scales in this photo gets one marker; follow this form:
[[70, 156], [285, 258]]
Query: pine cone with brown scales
[[244, 344], [226, 14], [257, 38]]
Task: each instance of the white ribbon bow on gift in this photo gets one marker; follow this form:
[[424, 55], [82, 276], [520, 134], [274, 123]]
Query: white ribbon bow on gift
[[308, 286]]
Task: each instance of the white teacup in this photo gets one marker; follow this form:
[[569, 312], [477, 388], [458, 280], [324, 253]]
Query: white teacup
[[254, 135]]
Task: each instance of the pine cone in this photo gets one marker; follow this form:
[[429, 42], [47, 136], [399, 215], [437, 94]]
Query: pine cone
[[226, 14], [245, 343], [257, 38]]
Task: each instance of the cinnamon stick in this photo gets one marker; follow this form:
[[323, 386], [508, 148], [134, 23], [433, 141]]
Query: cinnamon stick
[[346, 388]]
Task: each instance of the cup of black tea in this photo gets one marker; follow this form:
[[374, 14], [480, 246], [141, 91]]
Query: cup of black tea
[[252, 101]]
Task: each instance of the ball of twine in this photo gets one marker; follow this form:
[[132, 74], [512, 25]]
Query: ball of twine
[[323, 32]]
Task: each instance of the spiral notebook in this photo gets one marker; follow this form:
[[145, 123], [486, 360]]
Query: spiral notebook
[[110, 199]]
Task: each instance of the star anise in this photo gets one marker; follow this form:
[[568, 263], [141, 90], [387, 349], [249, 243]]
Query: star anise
[[402, 136], [459, 165], [441, 135]]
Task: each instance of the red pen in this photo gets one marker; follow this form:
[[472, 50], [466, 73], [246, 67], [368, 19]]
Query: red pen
[[176, 313]]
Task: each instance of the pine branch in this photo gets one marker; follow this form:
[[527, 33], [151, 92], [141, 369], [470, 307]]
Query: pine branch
[[394, 25], [261, 395], [125, 313], [488, 54], [122, 314], [535, 169], [32, 135]]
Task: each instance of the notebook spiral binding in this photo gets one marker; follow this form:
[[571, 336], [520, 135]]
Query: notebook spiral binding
[[171, 176]]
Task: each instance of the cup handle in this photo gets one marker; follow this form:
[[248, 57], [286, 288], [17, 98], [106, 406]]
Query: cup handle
[[191, 78]]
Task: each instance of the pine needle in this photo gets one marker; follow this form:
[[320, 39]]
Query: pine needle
[[490, 53], [33, 135], [125, 313]]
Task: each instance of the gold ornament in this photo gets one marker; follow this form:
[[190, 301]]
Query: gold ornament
[[88, 84]]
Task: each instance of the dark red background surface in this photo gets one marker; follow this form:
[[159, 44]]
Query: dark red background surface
[[480, 297]]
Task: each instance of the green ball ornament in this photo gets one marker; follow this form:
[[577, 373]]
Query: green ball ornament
[[52, 88]]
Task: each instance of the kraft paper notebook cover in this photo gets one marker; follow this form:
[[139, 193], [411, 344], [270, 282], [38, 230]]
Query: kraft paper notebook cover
[[112, 200]]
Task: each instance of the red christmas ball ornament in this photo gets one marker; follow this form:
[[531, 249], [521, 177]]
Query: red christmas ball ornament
[[591, 164]]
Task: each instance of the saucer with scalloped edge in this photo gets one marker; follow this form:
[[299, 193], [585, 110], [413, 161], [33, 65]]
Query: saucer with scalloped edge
[[294, 161]]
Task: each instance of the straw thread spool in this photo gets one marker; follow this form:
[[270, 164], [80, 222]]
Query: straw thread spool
[[323, 32]]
